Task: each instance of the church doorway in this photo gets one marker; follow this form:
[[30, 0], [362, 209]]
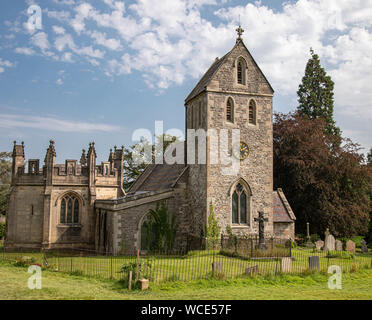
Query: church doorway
[[148, 234]]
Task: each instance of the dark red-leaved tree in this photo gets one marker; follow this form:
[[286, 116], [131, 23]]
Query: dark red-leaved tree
[[324, 180]]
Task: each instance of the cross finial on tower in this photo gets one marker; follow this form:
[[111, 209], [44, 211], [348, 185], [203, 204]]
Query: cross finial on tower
[[240, 31]]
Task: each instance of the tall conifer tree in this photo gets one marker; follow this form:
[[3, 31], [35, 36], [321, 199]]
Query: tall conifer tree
[[315, 94]]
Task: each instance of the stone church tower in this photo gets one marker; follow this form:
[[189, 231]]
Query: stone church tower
[[233, 95]]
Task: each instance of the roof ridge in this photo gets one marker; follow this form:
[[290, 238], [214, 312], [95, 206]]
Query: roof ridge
[[193, 94], [286, 204]]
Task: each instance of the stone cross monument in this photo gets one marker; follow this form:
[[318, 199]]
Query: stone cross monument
[[261, 230]]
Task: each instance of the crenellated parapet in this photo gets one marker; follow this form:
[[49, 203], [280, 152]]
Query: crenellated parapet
[[73, 172]]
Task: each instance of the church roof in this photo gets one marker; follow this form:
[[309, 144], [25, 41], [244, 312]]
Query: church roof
[[158, 177], [204, 81], [282, 210]]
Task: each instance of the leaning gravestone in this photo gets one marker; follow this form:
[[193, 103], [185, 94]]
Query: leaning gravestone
[[364, 247], [314, 263], [286, 265], [338, 245], [350, 246], [329, 242], [319, 244]]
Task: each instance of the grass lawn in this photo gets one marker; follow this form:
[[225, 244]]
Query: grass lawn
[[13, 285]]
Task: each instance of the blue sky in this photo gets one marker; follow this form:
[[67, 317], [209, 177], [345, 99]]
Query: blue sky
[[98, 70]]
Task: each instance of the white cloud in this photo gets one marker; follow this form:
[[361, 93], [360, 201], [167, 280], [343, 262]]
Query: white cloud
[[41, 41], [65, 2], [52, 124], [25, 51], [66, 41], [59, 30], [100, 39], [5, 64], [67, 57]]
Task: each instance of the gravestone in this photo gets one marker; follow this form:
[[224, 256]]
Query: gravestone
[[286, 265], [314, 263], [329, 242], [251, 270], [364, 247], [350, 246], [319, 245], [338, 245], [217, 266]]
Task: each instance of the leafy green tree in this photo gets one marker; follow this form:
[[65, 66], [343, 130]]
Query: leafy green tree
[[213, 229], [5, 179], [315, 94], [138, 156], [164, 226]]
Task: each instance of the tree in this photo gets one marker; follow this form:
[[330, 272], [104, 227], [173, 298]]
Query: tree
[[315, 94], [213, 230], [136, 158], [369, 158], [5, 180], [327, 187]]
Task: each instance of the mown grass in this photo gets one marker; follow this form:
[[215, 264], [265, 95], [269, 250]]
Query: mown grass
[[61, 286]]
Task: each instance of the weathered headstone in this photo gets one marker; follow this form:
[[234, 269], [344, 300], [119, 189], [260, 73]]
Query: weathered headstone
[[338, 245], [286, 265], [350, 246], [217, 266], [144, 284], [329, 242], [319, 245], [251, 270], [364, 247], [314, 263]]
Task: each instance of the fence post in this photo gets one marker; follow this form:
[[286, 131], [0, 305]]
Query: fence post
[[290, 248], [251, 247], [111, 268], [137, 264], [71, 265], [130, 280]]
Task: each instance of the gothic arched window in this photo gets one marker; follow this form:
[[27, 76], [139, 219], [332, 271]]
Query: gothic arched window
[[69, 210], [241, 69], [252, 112], [241, 205], [230, 110]]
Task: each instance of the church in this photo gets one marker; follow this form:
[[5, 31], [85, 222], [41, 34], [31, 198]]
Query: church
[[82, 204]]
